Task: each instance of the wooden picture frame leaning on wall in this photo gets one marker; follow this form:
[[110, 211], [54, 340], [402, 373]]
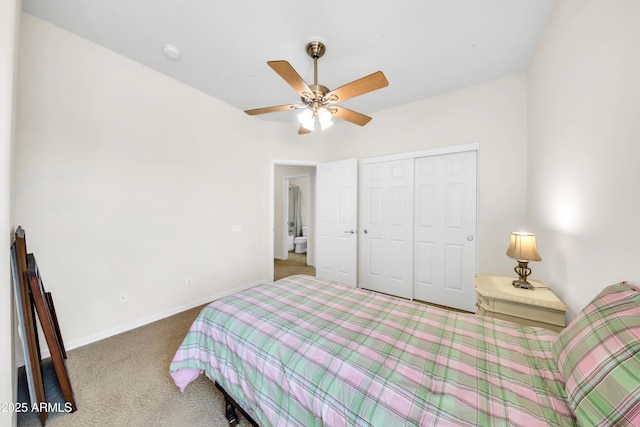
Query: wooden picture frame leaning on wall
[[50, 329], [27, 324], [30, 292]]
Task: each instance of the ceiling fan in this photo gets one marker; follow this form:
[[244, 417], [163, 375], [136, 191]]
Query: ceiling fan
[[317, 101]]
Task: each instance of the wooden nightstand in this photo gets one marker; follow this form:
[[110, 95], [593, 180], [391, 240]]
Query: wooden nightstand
[[498, 298]]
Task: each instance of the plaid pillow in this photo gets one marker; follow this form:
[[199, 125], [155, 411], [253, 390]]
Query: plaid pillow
[[598, 355]]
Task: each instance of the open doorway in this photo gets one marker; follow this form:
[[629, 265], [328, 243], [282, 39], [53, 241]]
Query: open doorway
[[293, 225]]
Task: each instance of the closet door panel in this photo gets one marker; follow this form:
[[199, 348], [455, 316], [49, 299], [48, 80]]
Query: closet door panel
[[428, 255], [454, 266], [374, 264], [445, 189], [386, 234], [424, 269], [375, 206], [397, 262]]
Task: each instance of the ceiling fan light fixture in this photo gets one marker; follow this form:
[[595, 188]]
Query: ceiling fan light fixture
[[324, 115], [309, 124], [326, 125], [305, 116], [307, 119]]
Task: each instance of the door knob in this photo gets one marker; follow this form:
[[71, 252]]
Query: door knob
[[365, 231], [349, 232], [469, 238]]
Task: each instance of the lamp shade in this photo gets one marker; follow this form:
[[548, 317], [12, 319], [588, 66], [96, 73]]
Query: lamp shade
[[523, 247]]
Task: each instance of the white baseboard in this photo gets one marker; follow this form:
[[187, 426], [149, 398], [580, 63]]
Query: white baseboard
[[137, 323]]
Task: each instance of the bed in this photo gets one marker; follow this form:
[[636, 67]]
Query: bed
[[306, 352]]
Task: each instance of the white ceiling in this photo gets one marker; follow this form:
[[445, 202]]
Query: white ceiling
[[424, 47]]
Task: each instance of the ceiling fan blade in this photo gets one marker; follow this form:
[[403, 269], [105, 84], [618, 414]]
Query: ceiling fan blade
[[350, 116], [303, 130], [361, 86], [291, 76], [270, 109]]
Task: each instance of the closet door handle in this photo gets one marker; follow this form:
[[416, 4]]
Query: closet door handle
[[365, 231], [349, 232]]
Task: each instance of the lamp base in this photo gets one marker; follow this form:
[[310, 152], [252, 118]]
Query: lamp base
[[523, 272], [522, 284]]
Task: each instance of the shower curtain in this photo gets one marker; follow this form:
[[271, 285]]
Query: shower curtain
[[295, 213]]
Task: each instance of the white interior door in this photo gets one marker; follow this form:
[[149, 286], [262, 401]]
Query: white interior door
[[336, 221], [445, 229], [386, 239]]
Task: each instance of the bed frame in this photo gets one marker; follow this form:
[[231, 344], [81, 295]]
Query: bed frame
[[230, 409]]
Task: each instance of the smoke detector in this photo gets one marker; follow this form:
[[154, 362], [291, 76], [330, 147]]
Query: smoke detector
[[171, 52]]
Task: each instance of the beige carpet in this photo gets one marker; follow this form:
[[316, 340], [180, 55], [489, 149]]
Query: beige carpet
[[296, 264], [124, 381]]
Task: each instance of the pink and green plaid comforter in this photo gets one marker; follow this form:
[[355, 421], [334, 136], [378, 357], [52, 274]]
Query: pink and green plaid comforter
[[305, 352]]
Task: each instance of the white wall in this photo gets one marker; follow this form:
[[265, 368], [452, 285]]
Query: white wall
[[584, 147], [493, 115], [127, 180], [130, 181], [9, 27]]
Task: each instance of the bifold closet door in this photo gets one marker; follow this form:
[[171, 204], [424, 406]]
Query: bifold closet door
[[386, 231], [445, 229]]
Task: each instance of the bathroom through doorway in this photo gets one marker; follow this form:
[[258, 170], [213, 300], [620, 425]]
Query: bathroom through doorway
[[293, 221]]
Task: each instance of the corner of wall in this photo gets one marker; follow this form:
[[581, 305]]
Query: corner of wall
[[9, 26]]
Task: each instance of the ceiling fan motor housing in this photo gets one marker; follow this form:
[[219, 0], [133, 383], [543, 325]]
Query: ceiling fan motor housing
[[316, 49], [319, 91]]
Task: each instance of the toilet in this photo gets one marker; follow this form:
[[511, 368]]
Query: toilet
[[300, 243]]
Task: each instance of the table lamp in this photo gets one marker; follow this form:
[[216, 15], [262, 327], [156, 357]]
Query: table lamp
[[523, 249]]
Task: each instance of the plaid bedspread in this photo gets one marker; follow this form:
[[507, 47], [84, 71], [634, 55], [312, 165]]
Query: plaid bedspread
[[304, 352]]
